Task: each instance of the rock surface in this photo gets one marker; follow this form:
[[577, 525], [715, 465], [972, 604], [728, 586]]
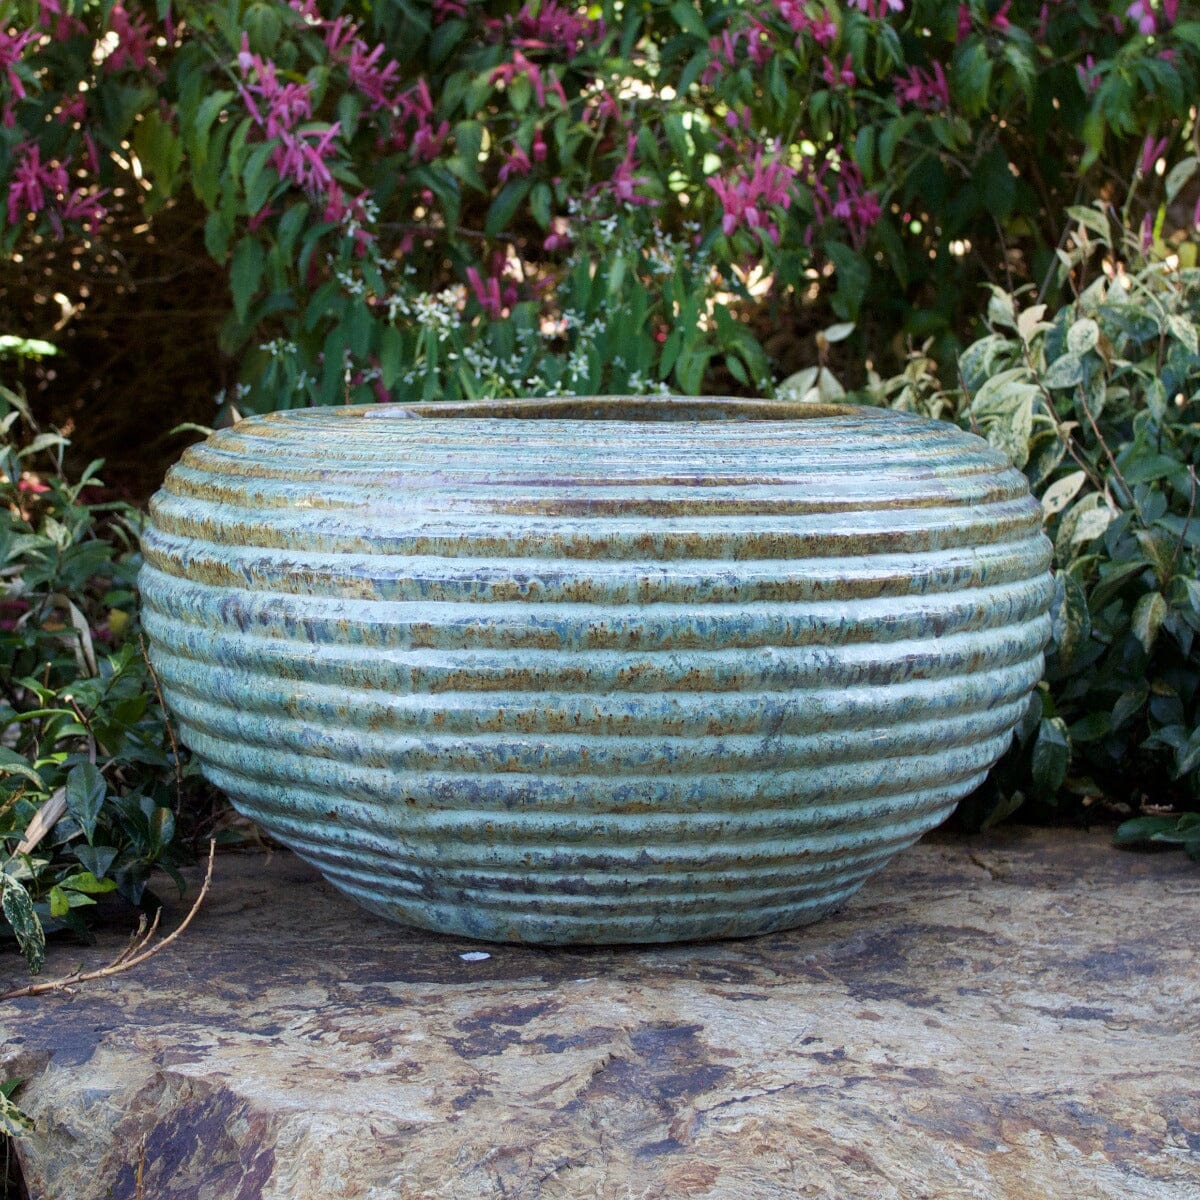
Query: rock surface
[[1013, 1016]]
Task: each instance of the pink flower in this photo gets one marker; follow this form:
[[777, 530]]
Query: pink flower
[[517, 164], [964, 21], [84, 208], [1142, 15], [923, 89], [303, 162], [1089, 76], [74, 110], [624, 181], [824, 29], [34, 184], [551, 27], [793, 12], [833, 76], [487, 292], [758, 44], [877, 9], [857, 208], [521, 66], [369, 75], [285, 104], [12, 46], [372, 80], [135, 39], [748, 196], [425, 139], [539, 146], [444, 10], [339, 210], [1152, 151]]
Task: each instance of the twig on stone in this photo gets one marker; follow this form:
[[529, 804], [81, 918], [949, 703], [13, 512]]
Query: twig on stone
[[140, 947]]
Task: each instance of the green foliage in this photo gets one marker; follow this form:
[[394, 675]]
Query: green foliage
[[1098, 402], [467, 163], [90, 783], [1174, 830]]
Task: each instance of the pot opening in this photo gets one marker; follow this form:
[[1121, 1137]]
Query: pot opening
[[613, 408]]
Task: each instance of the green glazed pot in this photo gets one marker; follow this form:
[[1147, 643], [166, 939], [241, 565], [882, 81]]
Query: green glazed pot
[[596, 670]]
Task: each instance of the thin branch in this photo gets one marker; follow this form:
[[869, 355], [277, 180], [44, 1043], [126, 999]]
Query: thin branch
[[137, 952], [1112, 461], [1186, 526], [166, 724], [1064, 435], [83, 720], [444, 230]]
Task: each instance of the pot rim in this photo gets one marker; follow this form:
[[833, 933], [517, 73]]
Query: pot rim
[[648, 409]]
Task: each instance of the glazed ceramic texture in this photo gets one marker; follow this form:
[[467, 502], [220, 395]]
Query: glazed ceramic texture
[[596, 670]]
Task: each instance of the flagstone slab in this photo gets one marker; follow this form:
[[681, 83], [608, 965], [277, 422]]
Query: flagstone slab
[[1004, 1016]]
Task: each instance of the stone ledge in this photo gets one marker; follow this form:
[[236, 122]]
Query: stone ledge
[[1003, 1017]]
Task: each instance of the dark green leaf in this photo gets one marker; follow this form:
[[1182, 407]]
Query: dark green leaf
[[1051, 756], [85, 794]]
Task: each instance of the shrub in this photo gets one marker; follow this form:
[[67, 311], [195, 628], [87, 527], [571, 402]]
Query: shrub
[[414, 199], [1097, 401], [91, 780]]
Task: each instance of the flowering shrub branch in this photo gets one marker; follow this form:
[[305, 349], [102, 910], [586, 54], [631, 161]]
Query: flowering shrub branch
[[352, 159]]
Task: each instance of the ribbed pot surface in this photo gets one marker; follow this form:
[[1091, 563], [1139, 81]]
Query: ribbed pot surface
[[596, 671]]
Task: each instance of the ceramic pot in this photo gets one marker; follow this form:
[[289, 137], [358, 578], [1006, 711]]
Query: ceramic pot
[[610, 670]]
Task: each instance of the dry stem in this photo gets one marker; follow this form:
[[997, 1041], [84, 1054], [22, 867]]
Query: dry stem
[[137, 952], [178, 762]]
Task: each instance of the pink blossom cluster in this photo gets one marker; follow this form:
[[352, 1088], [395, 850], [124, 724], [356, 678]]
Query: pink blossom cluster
[[624, 183], [493, 291], [415, 128], [822, 29], [554, 28], [1142, 14], [835, 76], [277, 108], [926, 90], [12, 47], [135, 40], [878, 9], [850, 202], [998, 20], [36, 187], [1089, 74], [519, 163], [370, 75], [727, 50], [283, 104], [58, 24], [749, 196], [447, 10], [543, 82]]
